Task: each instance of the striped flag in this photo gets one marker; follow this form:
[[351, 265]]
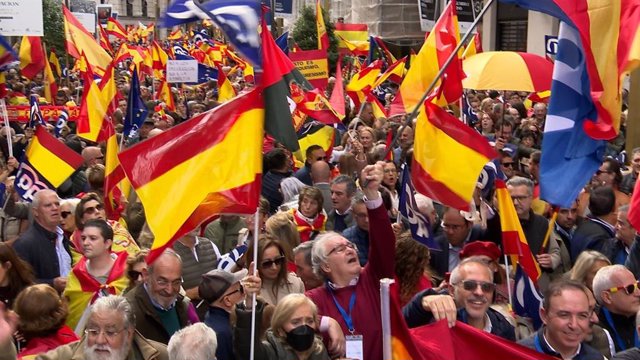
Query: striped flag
[[568, 149], [225, 88], [514, 241], [47, 164], [169, 167], [323, 37], [55, 63], [79, 41], [363, 82], [448, 157], [116, 29], [355, 35], [32, 58]]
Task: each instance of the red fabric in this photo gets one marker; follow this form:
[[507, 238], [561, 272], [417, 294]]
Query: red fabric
[[633, 216], [403, 347], [90, 284], [462, 342], [304, 228], [41, 345]]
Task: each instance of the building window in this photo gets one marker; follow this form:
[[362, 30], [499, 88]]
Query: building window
[[144, 8], [129, 7], [511, 34]]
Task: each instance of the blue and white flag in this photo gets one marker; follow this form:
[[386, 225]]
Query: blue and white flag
[[63, 119], [418, 223], [238, 19], [527, 299], [35, 116], [570, 156], [203, 36]]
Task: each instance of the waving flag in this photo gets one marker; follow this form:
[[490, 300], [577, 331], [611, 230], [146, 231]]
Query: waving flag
[[116, 29], [526, 298], [63, 119], [225, 88], [448, 157], [96, 101], [79, 41], [611, 40], [7, 54], [35, 116], [283, 42], [363, 82], [169, 166], [104, 40], [31, 56], [136, 109], [568, 149], [55, 63], [238, 19], [323, 37], [352, 38], [47, 164], [418, 223], [175, 35], [513, 240], [337, 94]]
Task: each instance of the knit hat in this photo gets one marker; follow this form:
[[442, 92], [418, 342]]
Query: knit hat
[[478, 248], [216, 282]]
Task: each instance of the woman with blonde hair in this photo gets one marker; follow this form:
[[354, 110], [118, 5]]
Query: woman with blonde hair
[[280, 226], [292, 335], [587, 265]]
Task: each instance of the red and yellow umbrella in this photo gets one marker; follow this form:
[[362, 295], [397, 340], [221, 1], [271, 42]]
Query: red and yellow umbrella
[[507, 70]]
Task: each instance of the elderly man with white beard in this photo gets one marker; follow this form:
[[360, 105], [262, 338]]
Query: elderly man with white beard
[[110, 334]]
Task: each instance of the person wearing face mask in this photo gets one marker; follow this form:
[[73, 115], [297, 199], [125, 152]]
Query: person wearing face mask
[[292, 336]]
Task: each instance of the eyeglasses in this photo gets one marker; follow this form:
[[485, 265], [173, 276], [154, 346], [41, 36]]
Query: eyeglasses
[[453, 227], [164, 282], [93, 209], [519, 198], [276, 261], [391, 171], [108, 334], [321, 158], [599, 172], [133, 274], [629, 289], [508, 164], [472, 285], [64, 214], [240, 290], [342, 248]]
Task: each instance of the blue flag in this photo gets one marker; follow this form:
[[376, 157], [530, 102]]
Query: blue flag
[[238, 19], [7, 54], [136, 109], [567, 148], [205, 73], [63, 119], [283, 42], [35, 116], [527, 299], [418, 223]]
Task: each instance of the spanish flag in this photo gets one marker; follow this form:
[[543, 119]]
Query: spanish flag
[[176, 35], [337, 94], [205, 166], [113, 175], [473, 47], [80, 41], [448, 157], [96, 101], [83, 289], [104, 40], [363, 82], [47, 164], [31, 55], [357, 35], [439, 44], [116, 29], [159, 60], [50, 86], [55, 63], [225, 89], [514, 241], [321, 29]]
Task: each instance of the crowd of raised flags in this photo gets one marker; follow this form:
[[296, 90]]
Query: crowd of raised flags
[[212, 162]]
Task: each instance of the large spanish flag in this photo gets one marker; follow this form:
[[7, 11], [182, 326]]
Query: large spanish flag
[[357, 35], [363, 82], [448, 157], [32, 58], [205, 166], [79, 41], [514, 241], [434, 52], [96, 100]]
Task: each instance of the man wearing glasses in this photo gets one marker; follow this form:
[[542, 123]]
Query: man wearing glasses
[[616, 290], [471, 291], [110, 333], [159, 307]]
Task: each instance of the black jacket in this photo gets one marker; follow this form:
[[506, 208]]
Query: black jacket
[[439, 261], [590, 234]]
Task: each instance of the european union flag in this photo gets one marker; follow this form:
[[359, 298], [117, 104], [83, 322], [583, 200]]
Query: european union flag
[[136, 109], [418, 223], [238, 19], [35, 116]]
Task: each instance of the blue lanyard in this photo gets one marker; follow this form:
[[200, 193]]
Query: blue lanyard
[[536, 342], [607, 315], [347, 317]]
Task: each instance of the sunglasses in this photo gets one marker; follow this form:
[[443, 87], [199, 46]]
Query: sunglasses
[[472, 285], [599, 172], [132, 274], [93, 209], [276, 261], [240, 290], [629, 289], [508, 164], [64, 214]]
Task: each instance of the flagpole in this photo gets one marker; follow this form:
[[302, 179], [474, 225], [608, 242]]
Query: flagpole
[[256, 218], [386, 317], [453, 54], [506, 266]]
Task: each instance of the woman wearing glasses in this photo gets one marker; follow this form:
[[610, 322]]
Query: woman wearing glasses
[[277, 281]]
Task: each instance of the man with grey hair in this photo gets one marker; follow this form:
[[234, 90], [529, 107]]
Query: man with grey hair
[[159, 307], [195, 342], [343, 189], [616, 290], [110, 334], [470, 294], [335, 260], [304, 268], [44, 245]]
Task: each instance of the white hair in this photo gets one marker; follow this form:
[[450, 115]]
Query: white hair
[[602, 281], [194, 342]]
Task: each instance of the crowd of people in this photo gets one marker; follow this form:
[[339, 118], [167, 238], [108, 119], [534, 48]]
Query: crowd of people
[[329, 229]]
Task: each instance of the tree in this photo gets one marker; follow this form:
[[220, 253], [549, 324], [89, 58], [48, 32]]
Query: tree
[[304, 33], [53, 26]]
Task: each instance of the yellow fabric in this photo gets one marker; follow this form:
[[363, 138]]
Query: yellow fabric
[[487, 71], [80, 41], [54, 169]]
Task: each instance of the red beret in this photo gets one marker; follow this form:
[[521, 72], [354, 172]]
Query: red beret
[[477, 248]]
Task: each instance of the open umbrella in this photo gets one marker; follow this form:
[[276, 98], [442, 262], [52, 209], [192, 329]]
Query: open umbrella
[[507, 70]]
